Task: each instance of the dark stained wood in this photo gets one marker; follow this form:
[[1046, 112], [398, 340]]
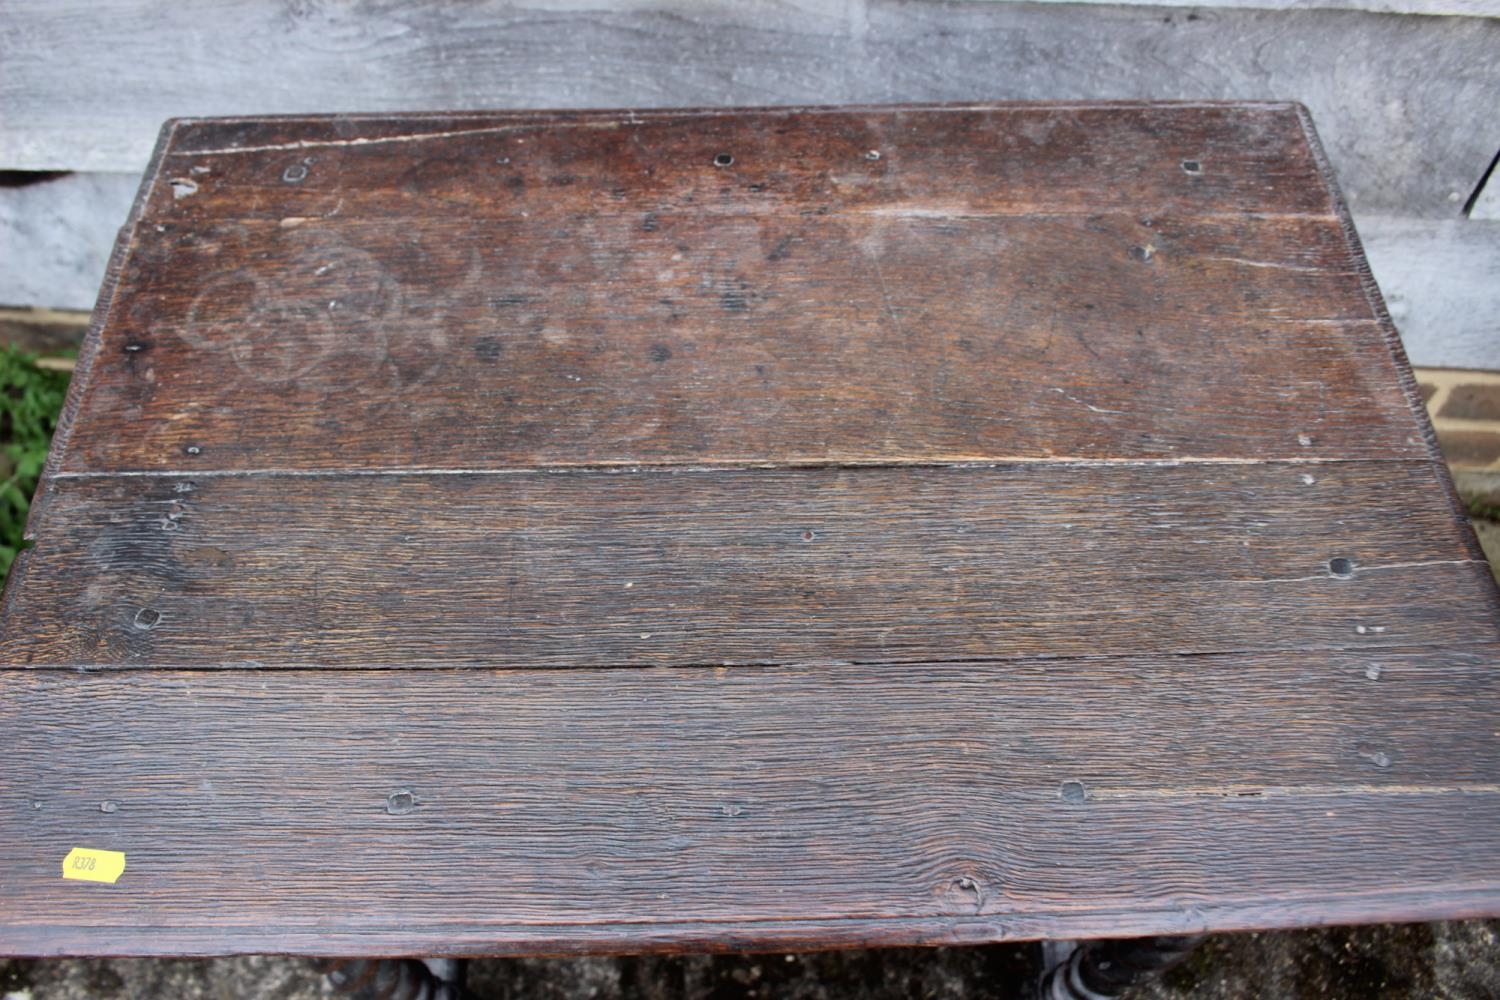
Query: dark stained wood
[[1020, 533], [615, 297], [575, 810], [1012, 160], [640, 568], [679, 338]]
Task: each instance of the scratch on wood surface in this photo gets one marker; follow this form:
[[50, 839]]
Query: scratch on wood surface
[[1069, 396], [1359, 569], [1272, 265], [377, 140], [725, 465], [1040, 211], [885, 294], [1286, 791]]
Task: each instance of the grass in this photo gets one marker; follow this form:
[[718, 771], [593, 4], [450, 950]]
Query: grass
[[1481, 510], [31, 398]]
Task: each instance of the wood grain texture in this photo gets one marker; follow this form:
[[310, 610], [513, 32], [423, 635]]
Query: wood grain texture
[[1404, 101], [518, 811], [815, 549], [657, 568], [1017, 159], [806, 303]]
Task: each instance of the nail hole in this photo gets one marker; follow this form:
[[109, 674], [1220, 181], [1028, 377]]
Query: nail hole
[[147, 619], [108, 806], [192, 449], [295, 174], [401, 802], [873, 155], [1341, 567], [1192, 167], [723, 160], [808, 536], [1143, 253], [1377, 757], [1073, 791]]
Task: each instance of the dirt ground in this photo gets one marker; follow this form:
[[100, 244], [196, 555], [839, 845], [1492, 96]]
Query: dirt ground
[[1452, 961]]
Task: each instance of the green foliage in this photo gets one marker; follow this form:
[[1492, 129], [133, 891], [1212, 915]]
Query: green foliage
[[1481, 509], [30, 400]]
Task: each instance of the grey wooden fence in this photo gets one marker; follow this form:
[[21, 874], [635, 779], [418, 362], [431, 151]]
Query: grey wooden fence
[[1405, 94]]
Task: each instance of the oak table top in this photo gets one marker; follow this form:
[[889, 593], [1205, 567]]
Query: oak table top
[[629, 531]]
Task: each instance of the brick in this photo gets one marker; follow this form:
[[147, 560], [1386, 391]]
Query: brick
[[1470, 448], [1472, 401]]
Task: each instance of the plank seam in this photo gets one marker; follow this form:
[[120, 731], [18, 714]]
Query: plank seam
[[645, 468], [1457, 648]]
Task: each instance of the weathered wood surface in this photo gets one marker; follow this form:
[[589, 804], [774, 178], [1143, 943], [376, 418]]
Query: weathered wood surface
[[852, 298], [1406, 103], [1040, 160], [660, 568], [649, 809], [653, 554]]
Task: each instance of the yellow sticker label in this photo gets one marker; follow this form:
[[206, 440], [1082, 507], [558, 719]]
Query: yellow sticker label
[[90, 865]]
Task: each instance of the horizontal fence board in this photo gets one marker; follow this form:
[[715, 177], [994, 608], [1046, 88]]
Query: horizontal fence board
[[1404, 103], [1441, 282]]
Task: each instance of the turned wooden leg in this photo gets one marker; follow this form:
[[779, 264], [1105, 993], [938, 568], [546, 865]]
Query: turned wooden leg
[[1095, 970]]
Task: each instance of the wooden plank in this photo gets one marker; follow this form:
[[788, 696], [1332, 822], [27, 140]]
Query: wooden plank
[[711, 567], [898, 161], [806, 303], [134, 63], [1442, 284], [501, 812], [781, 339]]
